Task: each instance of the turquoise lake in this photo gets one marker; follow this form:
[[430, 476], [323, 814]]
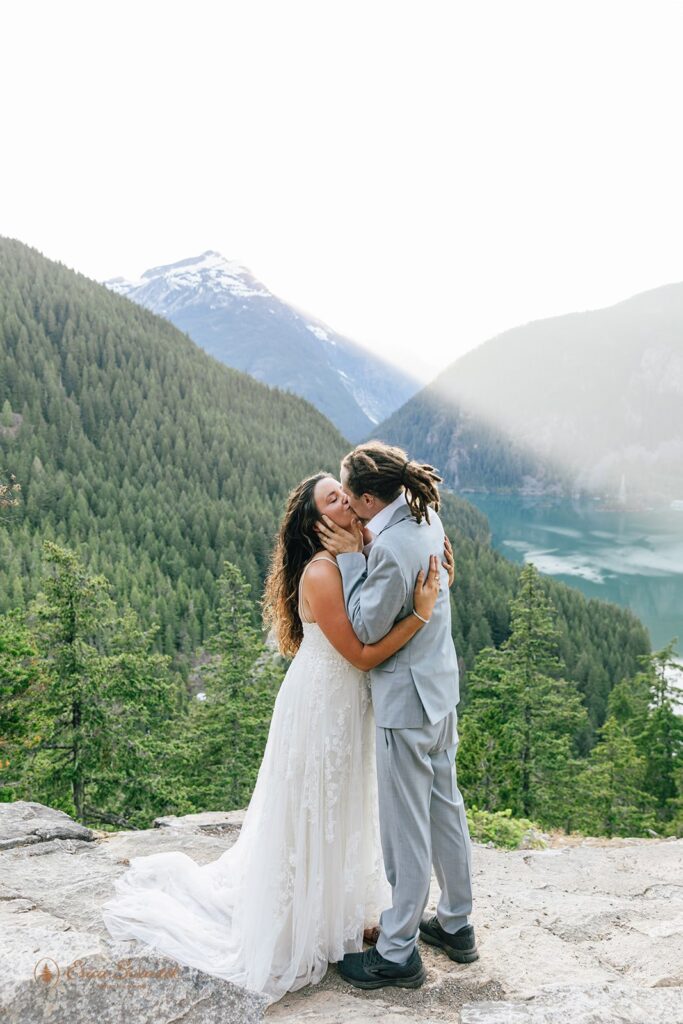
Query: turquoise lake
[[634, 558]]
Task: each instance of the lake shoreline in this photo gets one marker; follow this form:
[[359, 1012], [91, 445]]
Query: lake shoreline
[[597, 502], [632, 557]]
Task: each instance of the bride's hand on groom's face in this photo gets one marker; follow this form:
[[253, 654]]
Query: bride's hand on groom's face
[[336, 539], [367, 536]]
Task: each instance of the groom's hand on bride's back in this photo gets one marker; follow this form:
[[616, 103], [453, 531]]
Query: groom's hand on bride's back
[[336, 539]]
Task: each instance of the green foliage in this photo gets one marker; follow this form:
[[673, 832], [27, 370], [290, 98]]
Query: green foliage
[[633, 779], [501, 829], [517, 746], [95, 722], [155, 464], [91, 709], [610, 796], [661, 740], [151, 460], [18, 671], [229, 728], [520, 735], [598, 642]]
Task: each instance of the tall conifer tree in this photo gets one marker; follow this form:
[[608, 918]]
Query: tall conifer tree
[[517, 738]]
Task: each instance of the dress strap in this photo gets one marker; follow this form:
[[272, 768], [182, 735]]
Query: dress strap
[[323, 558]]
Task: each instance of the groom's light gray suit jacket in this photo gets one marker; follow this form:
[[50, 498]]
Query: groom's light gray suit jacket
[[423, 677]]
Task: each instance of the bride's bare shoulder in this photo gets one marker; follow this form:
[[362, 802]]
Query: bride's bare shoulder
[[322, 572], [321, 585], [321, 568]]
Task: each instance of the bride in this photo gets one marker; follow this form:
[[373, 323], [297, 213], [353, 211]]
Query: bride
[[305, 879]]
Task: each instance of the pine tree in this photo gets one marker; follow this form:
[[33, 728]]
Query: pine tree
[[609, 793], [230, 726], [6, 415], [516, 748], [18, 671], [648, 706], [661, 742], [99, 706]]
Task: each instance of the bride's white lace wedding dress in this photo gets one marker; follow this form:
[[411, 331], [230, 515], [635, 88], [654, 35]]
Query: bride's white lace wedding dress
[[305, 876]]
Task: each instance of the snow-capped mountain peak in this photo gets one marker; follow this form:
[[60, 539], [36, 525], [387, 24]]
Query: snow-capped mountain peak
[[232, 315], [209, 260], [209, 277]]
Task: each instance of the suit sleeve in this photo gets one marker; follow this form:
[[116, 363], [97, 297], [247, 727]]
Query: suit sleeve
[[374, 592]]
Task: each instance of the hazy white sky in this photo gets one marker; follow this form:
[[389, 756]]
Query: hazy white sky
[[421, 175]]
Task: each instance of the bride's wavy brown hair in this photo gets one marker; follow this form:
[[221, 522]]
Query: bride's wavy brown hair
[[296, 544]]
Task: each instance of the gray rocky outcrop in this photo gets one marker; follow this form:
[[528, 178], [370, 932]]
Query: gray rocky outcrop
[[24, 823], [585, 932], [59, 961]]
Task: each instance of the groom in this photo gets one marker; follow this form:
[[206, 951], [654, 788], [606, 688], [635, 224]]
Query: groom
[[414, 694]]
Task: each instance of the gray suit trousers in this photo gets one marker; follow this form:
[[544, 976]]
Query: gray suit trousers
[[422, 821]]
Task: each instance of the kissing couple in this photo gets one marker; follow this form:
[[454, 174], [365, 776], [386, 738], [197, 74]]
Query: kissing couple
[[356, 796]]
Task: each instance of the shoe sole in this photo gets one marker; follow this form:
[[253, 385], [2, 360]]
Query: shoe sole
[[414, 981], [461, 956]]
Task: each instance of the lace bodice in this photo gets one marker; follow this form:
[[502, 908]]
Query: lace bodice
[[316, 643]]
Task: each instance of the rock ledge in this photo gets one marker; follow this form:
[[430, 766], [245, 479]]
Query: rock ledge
[[584, 933]]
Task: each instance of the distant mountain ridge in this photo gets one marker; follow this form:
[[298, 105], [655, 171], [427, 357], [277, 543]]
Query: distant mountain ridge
[[589, 402], [156, 464], [234, 317]]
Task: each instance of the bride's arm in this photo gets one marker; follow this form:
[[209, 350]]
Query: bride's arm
[[325, 596]]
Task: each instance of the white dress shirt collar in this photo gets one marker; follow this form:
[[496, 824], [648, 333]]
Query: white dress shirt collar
[[379, 521]]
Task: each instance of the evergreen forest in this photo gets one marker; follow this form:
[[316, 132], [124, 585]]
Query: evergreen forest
[[141, 485]]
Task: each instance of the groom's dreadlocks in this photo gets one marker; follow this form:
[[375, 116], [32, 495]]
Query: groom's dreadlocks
[[382, 469]]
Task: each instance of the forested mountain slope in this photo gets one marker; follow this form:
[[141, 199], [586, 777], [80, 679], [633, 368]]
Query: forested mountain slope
[[138, 449], [235, 318], [590, 401], [157, 463]]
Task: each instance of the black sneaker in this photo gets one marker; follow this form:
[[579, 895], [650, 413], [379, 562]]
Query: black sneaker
[[460, 945], [371, 970]]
